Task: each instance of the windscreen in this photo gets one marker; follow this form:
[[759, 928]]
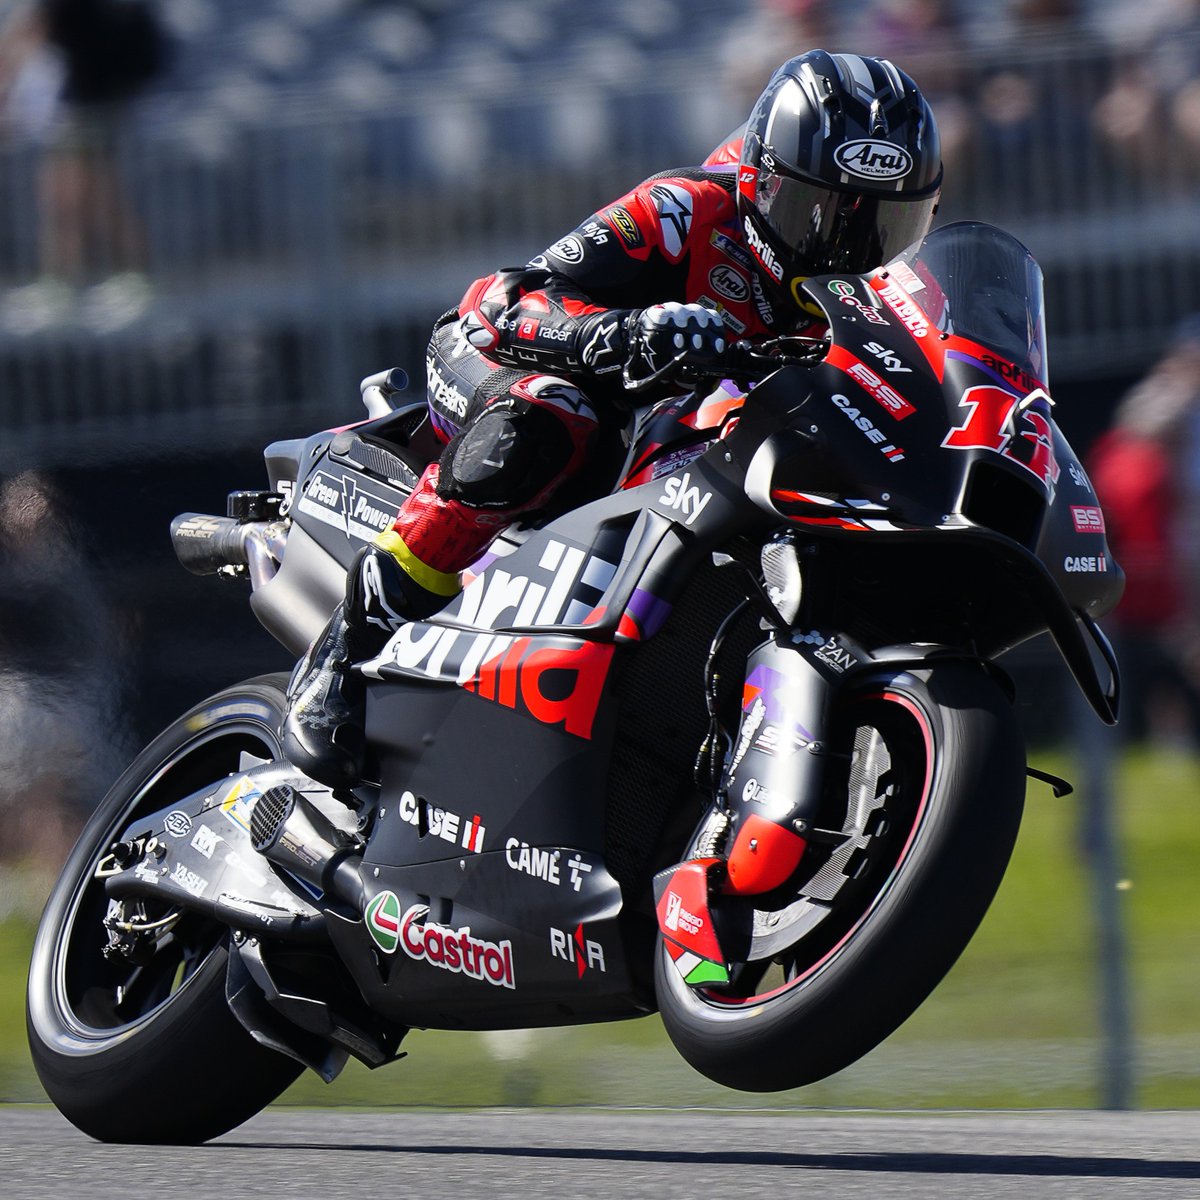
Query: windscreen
[[979, 282]]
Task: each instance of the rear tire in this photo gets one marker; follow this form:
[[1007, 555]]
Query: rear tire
[[151, 1052], [953, 783]]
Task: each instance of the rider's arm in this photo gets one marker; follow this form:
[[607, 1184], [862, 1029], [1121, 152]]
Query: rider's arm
[[571, 309]]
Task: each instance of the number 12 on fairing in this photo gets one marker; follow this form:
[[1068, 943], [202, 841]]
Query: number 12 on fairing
[[990, 426]]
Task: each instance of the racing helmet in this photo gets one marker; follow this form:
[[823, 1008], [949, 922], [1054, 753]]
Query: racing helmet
[[840, 169]]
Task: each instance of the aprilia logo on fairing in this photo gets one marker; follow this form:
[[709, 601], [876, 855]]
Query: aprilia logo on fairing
[[762, 251], [455, 949], [552, 679], [1010, 372], [688, 499], [555, 682]]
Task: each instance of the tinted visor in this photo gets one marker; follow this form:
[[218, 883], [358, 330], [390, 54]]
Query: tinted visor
[[823, 230]]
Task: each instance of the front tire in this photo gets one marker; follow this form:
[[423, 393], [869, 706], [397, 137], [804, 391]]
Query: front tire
[[149, 1051], [939, 751]]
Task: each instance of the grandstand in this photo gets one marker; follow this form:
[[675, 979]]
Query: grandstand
[[318, 179]]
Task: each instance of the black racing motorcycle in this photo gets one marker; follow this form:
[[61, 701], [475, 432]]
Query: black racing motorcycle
[[730, 743]]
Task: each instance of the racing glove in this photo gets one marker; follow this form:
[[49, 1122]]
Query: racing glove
[[675, 341]]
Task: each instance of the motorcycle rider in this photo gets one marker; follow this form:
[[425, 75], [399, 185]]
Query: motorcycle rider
[[837, 169]]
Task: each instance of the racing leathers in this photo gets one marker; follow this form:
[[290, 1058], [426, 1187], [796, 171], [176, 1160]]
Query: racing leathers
[[523, 377], [528, 369]]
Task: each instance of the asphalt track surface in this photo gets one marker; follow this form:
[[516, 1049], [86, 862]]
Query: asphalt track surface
[[539, 1155]]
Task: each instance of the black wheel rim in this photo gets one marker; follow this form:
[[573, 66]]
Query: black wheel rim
[[97, 1001], [887, 743]]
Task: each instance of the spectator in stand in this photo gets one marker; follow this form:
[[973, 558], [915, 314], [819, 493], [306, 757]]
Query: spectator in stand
[[779, 28], [1150, 116], [107, 52], [1146, 473]]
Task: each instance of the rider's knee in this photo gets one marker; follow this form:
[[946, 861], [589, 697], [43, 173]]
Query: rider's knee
[[516, 451]]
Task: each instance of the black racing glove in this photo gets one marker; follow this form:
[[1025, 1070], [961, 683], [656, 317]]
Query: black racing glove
[[675, 341]]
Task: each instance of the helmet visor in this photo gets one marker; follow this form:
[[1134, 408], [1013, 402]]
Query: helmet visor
[[824, 230]]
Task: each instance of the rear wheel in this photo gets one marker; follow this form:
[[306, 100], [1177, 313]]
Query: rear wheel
[[929, 799], [141, 1046]]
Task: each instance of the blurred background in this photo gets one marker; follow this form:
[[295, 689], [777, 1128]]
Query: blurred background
[[216, 217]]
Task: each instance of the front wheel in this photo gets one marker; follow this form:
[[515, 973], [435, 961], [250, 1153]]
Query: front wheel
[[930, 797], [141, 1046]]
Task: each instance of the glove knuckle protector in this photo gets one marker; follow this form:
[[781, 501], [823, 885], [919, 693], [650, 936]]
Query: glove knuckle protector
[[672, 339]]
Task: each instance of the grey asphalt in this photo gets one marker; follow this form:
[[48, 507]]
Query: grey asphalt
[[539, 1154]]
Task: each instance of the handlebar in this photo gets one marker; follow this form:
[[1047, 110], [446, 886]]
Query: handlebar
[[742, 361]]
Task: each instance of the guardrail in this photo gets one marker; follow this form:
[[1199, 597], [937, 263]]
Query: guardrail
[[289, 250]]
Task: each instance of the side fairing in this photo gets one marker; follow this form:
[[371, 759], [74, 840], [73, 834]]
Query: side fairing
[[528, 773]]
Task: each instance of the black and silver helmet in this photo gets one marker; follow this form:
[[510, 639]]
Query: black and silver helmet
[[840, 168]]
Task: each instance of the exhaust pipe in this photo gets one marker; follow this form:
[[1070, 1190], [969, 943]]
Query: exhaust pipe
[[294, 834], [205, 544]]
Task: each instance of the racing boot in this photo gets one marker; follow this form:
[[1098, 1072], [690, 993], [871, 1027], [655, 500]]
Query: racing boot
[[323, 730]]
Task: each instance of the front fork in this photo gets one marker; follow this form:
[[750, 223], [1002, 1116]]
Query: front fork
[[772, 782], [768, 798]]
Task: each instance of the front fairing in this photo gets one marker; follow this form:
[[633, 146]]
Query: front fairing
[[913, 424]]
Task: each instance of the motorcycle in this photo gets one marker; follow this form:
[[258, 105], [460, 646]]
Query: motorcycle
[[730, 742]]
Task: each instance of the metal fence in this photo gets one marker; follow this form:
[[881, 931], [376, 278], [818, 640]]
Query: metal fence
[[290, 249]]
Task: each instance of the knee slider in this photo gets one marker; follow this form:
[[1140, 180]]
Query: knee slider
[[504, 458]]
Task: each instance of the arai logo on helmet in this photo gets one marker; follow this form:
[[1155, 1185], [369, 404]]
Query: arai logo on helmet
[[870, 159]]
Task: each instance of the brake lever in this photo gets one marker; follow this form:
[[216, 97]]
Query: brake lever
[[745, 361], [646, 381]]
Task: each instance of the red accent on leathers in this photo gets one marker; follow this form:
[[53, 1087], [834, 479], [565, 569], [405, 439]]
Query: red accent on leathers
[[729, 151], [445, 534], [448, 535], [674, 237]]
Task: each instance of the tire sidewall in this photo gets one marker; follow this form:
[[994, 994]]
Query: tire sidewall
[[107, 1083], [913, 932]]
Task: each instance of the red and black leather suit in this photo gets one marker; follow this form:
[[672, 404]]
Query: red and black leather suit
[[527, 370]]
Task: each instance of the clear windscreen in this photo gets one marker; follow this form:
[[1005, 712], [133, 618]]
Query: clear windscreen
[[979, 282]]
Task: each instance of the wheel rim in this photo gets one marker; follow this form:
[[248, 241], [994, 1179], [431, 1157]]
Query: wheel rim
[[889, 738], [93, 1002]]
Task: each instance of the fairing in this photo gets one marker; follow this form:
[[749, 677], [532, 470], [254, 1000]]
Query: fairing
[[920, 456]]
